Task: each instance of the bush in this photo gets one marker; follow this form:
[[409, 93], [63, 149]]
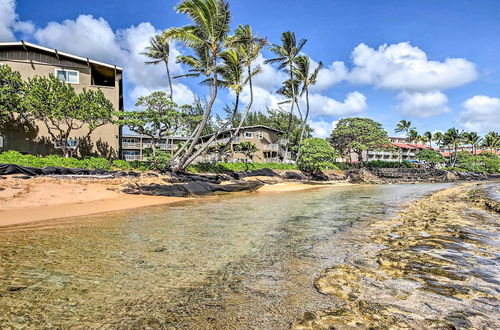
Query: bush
[[237, 167], [159, 162], [489, 163], [122, 164], [386, 164], [91, 163], [315, 155], [430, 156]]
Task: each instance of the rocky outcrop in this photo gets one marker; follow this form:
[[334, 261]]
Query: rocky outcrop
[[190, 188]]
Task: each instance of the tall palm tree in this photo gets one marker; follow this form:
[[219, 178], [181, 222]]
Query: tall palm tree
[[453, 138], [473, 139], [412, 136], [286, 54], [427, 137], [209, 28], [438, 137], [159, 51], [492, 141], [404, 126], [307, 78]]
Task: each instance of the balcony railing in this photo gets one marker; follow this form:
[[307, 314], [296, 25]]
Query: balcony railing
[[131, 145], [272, 160], [271, 147], [130, 158]]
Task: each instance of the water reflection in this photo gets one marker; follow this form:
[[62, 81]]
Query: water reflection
[[243, 260]]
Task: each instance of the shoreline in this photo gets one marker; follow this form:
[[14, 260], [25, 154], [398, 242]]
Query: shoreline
[[35, 201]]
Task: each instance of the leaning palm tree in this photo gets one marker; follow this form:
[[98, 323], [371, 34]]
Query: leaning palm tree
[[159, 51], [209, 28], [412, 136], [473, 139], [404, 126], [286, 54], [427, 137], [453, 138], [307, 78]]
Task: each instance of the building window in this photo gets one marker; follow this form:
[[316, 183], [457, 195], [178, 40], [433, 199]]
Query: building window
[[261, 135], [248, 135], [69, 76]]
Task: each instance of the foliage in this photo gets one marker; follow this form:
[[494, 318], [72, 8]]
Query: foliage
[[237, 167], [491, 141], [478, 163], [430, 156], [63, 111], [404, 126], [386, 164], [159, 51], [248, 149], [159, 162], [316, 154], [11, 90], [453, 138], [14, 157], [358, 134]]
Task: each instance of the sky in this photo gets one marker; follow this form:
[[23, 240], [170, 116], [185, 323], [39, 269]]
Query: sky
[[434, 62]]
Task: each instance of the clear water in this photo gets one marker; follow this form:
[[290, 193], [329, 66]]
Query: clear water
[[239, 261]]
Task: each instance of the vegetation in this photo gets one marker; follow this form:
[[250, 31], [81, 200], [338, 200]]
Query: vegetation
[[159, 51], [222, 167], [404, 126], [357, 135], [315, 155], [63, 111], [248, 149], [430, 156], [385, 164], [453, 137], [483, 163], [11, 93]]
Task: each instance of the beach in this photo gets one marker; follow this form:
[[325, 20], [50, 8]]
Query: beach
[[44, 198]]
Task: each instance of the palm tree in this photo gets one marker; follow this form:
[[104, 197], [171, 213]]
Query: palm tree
[[248, 149], [286, 54], [427, 137], [404, 126], [492, 141], [412, 136], [159, 51], [304, 75], [453, 137], [209, 29], [438, 137], [473, 139]]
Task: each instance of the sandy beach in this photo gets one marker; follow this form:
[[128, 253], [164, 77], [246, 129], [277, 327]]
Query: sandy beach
[[44, 198]]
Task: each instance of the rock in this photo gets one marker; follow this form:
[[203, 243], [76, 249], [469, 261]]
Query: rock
[[450, 176], [259, 172], [294, 176]]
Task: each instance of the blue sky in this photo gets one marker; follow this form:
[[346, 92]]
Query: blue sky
[[432, 62]]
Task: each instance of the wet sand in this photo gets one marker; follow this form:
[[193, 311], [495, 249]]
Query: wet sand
[[45, 198], [435, 265]]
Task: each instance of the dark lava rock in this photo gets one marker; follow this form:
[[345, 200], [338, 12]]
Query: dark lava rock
[[186, 177], [22, 177], [259, 172], [294, 176], [191, 188]]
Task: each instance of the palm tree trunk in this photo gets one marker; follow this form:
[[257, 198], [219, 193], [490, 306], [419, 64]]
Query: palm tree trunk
[[170, 82], [184, 161], [304, 123], [233, 135], [291, 113]]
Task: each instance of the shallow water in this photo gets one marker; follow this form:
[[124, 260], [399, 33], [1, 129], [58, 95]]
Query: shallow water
[[240, 261]]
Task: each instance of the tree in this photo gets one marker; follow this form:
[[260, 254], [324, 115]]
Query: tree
[[304, 75], [404, 126], [286, 54], [427, 137], [430, 156], [492, 141], [315, 155], [453, 138], [159, 51], [63, 111], [412, 136], [248, 149], [11, 93], [159, 117], [438, 137], [357, 135], [473, 139], [209, 28]]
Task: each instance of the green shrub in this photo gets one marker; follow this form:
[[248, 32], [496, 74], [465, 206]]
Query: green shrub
[[159, 162], [122, 164], [386, 164], [316, 154], [489, 163], [14, 157], [430, 156]]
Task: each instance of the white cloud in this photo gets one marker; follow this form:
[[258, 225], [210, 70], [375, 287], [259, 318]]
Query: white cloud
[[329, 76], [355, 102], [482, 113], [322, 128], [270, 78], [94, 38], [262, 99], [422, 105], [405, 67], [10, 23]]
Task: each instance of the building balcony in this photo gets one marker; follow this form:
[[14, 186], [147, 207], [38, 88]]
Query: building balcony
[[271, 147], [130, 158], [131, 145]]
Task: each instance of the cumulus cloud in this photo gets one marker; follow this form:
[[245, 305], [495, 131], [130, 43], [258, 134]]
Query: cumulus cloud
[[405, 67], [329, 76], [423, 105], [322, 128], [355, 102], [10, 22], [94, 38], [482, 113]]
